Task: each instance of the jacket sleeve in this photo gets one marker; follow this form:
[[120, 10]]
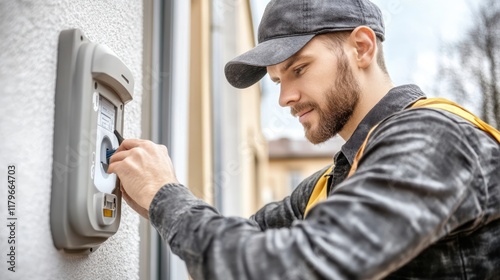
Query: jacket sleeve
[[411, 188], [283, 213]]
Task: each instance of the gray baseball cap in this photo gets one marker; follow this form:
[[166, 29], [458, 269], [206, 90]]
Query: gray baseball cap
[[288, 25]]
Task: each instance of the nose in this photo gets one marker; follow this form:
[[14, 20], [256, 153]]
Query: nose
[[288, 95]]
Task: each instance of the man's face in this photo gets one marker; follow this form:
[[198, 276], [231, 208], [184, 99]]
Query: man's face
[[318, 85]]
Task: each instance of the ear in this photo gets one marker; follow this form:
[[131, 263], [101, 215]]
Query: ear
[[365, 42]]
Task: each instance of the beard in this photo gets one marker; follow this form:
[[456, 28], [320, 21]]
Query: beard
[[341, 100]]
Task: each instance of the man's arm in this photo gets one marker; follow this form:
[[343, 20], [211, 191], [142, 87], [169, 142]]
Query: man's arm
[[415, 176]]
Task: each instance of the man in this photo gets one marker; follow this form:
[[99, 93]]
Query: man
[[424, 202]]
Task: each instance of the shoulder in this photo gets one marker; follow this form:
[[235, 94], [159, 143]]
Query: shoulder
[[421, 132], [429, 122], [432, 133]]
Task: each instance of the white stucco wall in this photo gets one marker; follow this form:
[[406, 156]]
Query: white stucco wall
[[29, 31]]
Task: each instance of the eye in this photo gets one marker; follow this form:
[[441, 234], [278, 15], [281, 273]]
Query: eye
[[299, 70]]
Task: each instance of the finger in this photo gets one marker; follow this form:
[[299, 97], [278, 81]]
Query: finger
[[116, 159], [128, 144], [120, 155]]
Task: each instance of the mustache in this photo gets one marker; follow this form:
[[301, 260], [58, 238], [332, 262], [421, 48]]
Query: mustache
[[294, 110]]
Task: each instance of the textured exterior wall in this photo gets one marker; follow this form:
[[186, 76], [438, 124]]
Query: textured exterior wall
[[29, 31]]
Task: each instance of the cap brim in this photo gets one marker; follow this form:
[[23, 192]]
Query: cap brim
[[248, 68]]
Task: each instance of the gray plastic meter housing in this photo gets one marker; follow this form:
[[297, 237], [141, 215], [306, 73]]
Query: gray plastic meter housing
[[92, 87]]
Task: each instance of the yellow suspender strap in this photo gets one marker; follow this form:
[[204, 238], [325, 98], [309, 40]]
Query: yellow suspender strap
[[441, 103], [319, 192]]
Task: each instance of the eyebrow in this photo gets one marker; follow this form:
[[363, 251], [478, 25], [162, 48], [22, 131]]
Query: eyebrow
[[292, 61]]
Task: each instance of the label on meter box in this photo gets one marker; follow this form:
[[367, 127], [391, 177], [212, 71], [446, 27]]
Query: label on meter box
[[107, 114]]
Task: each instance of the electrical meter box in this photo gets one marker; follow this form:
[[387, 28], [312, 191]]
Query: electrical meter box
[[92, 87]]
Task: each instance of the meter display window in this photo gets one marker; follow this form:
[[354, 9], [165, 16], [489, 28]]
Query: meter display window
[[107, 114]]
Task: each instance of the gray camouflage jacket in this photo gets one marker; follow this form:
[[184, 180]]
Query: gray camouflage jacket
[[423, 204]]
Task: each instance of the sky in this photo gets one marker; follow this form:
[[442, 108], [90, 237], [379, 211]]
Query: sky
[[416, 34]]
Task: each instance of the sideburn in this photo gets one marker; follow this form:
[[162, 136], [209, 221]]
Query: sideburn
[[341, 99]]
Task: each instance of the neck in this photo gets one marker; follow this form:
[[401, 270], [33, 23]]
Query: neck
[[372, 91]]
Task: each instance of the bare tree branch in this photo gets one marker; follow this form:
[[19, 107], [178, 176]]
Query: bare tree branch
[[471, 66]]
